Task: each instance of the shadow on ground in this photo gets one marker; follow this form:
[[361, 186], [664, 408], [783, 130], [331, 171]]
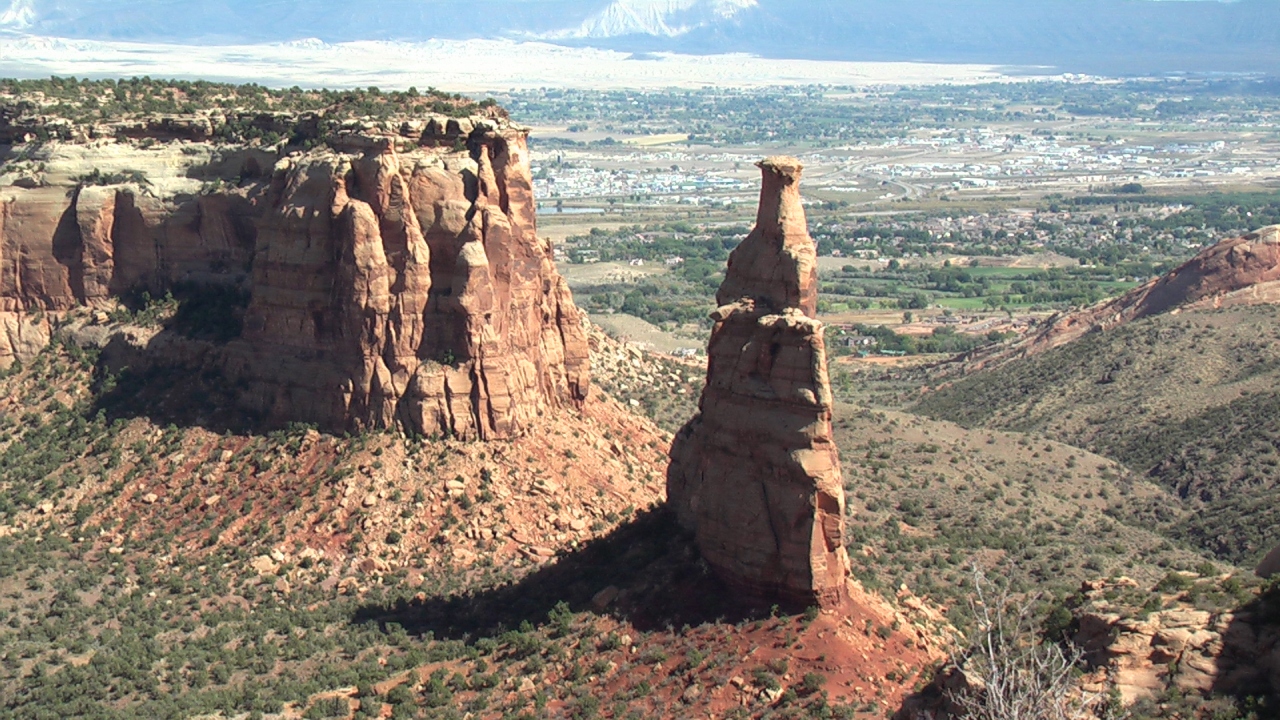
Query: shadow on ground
[[176, 377], [1249, 661], [191, 396], [651, 562]]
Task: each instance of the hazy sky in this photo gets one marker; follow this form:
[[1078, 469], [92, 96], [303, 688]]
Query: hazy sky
[[1097, 36]]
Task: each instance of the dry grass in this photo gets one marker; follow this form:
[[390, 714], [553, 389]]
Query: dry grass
[[1187, 399], [927, 499]]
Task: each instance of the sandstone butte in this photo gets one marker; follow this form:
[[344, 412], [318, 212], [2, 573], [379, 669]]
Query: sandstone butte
[[756, 473], [394, 272], [1237, 271]]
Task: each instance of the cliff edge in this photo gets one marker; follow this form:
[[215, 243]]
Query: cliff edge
[[390, 270]]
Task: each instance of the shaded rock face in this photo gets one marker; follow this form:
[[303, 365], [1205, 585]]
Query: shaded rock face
[[394, 278], [756, 474], [1269, 567]]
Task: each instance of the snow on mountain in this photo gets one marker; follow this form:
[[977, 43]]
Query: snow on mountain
[[20, 15], [1091, 36], [659, 18]]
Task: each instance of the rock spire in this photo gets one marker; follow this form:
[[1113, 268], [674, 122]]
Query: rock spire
[[776, 265], [756, 474]]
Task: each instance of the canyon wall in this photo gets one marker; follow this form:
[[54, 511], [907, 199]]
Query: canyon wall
[[756, 474], [393, 272]]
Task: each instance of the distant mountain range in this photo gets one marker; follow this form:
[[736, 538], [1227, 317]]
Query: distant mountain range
[[1098, 36], [657, 18]]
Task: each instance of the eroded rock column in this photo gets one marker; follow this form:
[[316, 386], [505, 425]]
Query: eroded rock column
[[410, 289], [756, 474]]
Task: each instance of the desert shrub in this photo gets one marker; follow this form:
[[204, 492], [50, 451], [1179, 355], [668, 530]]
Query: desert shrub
[[328, 708], [1174, 582], [1014, 672]]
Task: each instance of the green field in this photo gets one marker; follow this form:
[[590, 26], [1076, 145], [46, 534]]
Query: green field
[[1002, 272], [960, 303]]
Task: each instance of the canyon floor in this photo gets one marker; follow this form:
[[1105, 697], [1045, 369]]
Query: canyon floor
[[154, 567]]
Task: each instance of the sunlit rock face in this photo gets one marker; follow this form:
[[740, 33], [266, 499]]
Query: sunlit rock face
[[394, 275], [756, 474]]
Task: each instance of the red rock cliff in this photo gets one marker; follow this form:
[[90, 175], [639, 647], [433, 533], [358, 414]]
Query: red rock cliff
[[395, 274], [756, 473]]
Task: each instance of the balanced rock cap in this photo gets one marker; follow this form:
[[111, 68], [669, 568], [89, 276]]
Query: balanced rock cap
[[776, 266]]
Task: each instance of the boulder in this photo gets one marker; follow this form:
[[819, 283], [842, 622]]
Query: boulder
[[1142, 655]]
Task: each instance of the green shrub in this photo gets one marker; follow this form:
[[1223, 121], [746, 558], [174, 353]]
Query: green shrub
[[1174, 582]]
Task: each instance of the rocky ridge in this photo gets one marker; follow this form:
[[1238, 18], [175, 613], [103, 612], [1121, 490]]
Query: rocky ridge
[[393, 272], [1237, 271], [756, 473], [1179, 640]]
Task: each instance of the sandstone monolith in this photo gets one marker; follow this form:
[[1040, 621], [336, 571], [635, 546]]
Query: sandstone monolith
[[756, 474]]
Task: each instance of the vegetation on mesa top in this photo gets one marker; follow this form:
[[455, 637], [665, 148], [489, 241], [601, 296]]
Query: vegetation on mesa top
[[87, 102]]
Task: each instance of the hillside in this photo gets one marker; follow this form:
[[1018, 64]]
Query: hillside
[[297, 420], [156, 567], [929, 498], [1187, 400], [1239, 271], [273, 545]]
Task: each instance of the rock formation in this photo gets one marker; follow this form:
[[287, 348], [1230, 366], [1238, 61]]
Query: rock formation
[[1145, 644], [1269, 566], [393, 272], [756, 474], [1142, 655], [1238, 271]]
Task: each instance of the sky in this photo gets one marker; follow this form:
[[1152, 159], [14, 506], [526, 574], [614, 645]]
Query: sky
[[1102, 37]]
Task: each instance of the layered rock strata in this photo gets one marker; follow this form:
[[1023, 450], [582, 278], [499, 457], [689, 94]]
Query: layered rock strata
[[1145, 655], [756, 474], [394, 273]]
